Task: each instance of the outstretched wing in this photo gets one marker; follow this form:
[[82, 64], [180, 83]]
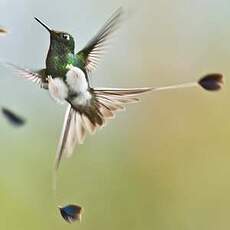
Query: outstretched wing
[[91, 54], [38, 77]]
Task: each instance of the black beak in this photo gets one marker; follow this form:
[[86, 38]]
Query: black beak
[[40, 22]]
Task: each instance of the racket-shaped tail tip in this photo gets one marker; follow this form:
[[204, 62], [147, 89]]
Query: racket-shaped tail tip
[[212, 82], [13, 118], [71, 213]]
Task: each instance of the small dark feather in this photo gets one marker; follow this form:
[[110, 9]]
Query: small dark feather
[[71, 213], [13, 118], [2, 31], [212, 82]]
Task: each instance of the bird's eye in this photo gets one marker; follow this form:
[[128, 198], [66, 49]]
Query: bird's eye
[[66, 37]]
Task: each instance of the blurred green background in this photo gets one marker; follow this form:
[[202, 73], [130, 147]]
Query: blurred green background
[[164, 164]]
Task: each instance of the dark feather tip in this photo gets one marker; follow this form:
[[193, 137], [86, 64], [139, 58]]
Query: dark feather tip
[[13, 118], [3, 31], [71, 213], [212, 82]]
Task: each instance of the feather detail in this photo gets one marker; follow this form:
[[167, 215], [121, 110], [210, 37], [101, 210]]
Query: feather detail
[[96, 47], [79, 119], [27, 74], [65, 136]]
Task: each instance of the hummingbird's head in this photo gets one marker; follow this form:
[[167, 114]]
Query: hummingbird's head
[[59, 39], [62, 39]]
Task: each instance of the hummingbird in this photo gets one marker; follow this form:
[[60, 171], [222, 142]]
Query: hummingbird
[[66, 77]]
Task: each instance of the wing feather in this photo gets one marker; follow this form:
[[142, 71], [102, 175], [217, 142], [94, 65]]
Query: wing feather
[[38, 78], [91, 54]]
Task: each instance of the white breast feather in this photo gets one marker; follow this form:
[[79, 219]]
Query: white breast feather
[[76, 80], [57, 89], [82, 98]]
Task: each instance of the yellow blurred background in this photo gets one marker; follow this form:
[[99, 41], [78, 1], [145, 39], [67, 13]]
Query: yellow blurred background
[[164, 163]]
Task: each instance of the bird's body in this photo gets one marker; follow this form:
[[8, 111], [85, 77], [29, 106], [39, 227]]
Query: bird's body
[[72, 87], [63, 66]]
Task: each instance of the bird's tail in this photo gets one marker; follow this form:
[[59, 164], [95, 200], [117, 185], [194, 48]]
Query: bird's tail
[[82, 119]]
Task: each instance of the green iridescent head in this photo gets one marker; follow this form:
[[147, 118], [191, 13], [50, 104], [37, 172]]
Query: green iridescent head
[[59, 39]]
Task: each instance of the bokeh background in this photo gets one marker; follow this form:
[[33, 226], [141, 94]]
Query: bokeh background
[[165, 163]]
